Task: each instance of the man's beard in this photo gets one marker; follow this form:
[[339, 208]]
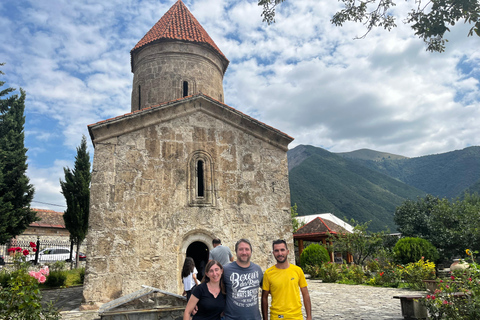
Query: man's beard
[[244, 261]]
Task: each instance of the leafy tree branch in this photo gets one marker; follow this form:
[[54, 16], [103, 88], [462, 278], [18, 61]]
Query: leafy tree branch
[[428, 19]]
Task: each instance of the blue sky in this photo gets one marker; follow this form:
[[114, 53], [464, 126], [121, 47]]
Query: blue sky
[[301, 75]]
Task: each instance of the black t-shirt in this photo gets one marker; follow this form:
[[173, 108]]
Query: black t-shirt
[[209, 307]]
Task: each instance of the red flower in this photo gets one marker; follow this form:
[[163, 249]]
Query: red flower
[[26, 252], [469, 279], [33, 245], [445, 302], [452, 277], [441, 280], [18, 249], [433, 297], [381, 273], [428, 296], [11, 249], [34, 249]]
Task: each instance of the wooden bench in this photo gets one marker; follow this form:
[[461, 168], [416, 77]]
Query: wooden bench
[[412, 308]]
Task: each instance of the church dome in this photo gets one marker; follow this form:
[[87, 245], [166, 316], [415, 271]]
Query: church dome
[[176, 58]]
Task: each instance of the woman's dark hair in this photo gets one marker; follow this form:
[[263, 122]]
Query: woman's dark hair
[[188, 267], [206, 279]]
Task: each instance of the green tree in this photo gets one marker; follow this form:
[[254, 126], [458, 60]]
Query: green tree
[[451, 227], [15, 191], [428, 19], [293, 214], [361, 243], [413, 217], [76, 190]]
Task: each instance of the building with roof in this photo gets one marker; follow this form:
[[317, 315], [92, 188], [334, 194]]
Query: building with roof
[[50, 227], [181, 169], [318, 228]]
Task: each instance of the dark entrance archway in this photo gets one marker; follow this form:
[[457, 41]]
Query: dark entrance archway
[[198, 251]]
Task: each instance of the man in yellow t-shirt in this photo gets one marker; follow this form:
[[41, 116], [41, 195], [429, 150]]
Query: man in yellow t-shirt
[[284, 281]]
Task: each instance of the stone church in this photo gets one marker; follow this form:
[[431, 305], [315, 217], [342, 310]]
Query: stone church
[[180, 169]]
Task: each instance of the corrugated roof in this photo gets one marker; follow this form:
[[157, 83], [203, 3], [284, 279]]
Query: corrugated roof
[[178, 23]]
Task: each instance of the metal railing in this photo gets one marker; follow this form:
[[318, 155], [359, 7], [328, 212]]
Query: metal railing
[[47, 251]]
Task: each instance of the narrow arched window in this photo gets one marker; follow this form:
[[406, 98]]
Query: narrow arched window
[[185, 88], [139, 98], [200, 179]]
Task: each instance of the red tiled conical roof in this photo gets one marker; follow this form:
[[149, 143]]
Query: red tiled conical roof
[[178, 24]]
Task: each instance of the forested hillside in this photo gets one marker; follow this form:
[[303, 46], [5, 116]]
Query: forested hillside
[[444, 175], [321, 182]]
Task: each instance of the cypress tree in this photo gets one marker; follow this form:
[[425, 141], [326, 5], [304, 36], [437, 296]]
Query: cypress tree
[[15, 191], [76, 190]]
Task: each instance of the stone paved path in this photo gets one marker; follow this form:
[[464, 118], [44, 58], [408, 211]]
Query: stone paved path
[[340, 301], [329, 301]]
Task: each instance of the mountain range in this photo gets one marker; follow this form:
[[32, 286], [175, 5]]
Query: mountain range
[[368, 185]]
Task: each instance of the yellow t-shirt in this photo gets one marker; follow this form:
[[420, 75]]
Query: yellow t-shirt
[[284, 286]]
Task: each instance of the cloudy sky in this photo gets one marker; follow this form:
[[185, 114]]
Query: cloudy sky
[[302, 75]]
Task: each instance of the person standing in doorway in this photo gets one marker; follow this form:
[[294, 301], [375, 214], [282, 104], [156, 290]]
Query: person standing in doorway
[[285, 281], [189, 277], [243, 279], [220, 253]]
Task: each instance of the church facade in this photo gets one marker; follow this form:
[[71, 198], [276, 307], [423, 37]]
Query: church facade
[[181, 169]]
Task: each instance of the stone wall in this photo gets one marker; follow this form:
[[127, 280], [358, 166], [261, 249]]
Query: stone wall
[[142, 218], [161, 68]]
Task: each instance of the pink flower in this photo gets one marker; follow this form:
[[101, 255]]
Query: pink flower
[[42, 279], [45, 271], [445, 302], [32, 273], [441, 280], [469, 279]]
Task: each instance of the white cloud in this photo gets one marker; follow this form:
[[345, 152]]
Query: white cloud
[[301, 75]]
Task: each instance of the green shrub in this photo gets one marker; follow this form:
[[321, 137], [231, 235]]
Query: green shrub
[[56, 279], [329, 272], [389, 275], [313, 271], [4, 277], [314, 254], [82, 275], [409, 250], [352, 274]]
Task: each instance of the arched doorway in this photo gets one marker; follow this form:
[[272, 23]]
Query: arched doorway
[[199, 252]]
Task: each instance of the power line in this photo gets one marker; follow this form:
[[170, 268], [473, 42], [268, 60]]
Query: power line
[[50, 204]]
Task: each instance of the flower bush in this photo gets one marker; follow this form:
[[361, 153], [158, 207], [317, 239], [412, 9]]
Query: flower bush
[[414, 273], [457, 297], [20, 296], [389, 275]]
